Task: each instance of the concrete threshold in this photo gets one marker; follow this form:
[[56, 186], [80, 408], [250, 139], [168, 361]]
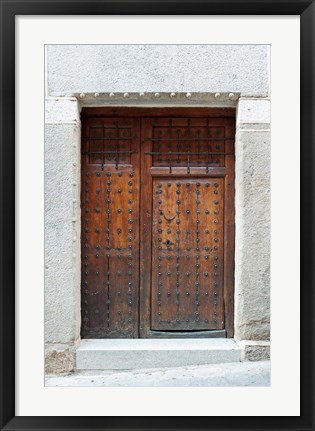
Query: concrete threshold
[[126, 354]]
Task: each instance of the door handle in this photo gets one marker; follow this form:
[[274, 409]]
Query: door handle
[[168, 218]]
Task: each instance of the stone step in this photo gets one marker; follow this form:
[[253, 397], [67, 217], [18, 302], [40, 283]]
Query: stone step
[[154, 353]]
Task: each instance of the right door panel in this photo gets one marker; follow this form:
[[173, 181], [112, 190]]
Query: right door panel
[[187, 254], [187, 260]]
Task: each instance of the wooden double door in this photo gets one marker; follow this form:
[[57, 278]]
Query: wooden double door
[[157, 205]]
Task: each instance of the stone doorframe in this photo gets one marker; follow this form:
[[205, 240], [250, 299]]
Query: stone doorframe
[[62, 216]]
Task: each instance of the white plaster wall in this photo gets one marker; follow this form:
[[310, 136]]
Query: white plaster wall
[[75, 69]]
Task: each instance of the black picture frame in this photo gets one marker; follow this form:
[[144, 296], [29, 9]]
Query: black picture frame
[[9, 10]]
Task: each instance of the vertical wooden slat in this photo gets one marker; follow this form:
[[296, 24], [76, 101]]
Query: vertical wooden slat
[[146, 213], [229, 230]]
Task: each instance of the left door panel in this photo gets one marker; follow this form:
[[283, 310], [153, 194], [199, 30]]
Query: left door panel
[[110, 182]]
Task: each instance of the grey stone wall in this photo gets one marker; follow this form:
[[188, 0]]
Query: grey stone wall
[[223, 75], [79, 69], [252, 220], [62, 233]]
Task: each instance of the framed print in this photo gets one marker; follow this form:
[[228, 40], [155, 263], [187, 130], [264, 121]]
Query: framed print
[[157, 222]]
